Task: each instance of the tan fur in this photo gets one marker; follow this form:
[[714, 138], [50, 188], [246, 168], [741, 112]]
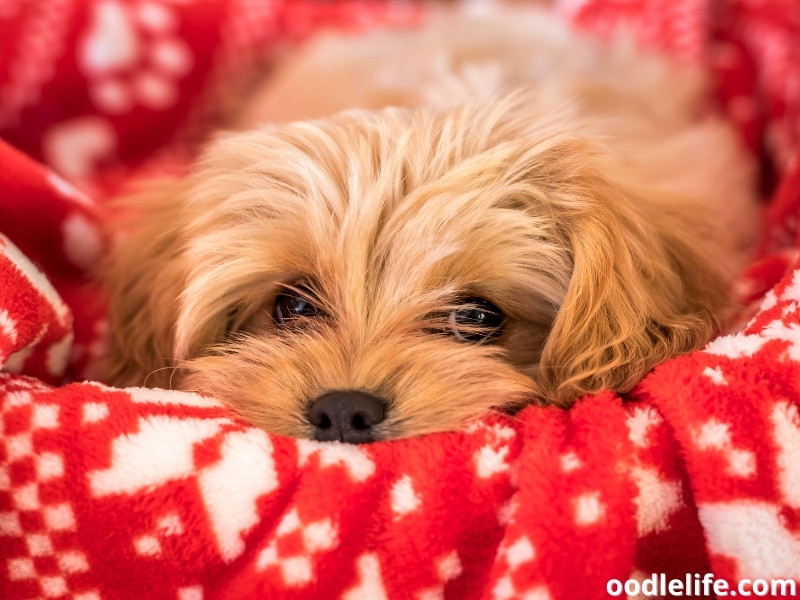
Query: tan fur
[[591, 204]]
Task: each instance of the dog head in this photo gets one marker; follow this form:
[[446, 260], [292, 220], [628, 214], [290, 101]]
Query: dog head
[[383, 274]]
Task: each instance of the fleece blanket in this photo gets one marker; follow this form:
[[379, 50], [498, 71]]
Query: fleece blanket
[[689, 485]]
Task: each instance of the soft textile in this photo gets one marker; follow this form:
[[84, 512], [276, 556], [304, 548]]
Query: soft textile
[[108, 493]]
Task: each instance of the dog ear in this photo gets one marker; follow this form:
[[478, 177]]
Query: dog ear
[[144, 275], [643, 289]]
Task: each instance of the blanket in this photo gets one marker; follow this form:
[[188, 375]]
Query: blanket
[[688, 485]]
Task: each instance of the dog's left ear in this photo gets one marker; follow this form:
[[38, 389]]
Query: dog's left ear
[[643, 289]]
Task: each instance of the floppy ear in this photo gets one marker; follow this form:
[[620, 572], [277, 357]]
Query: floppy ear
[[144, 275], [643, 289]]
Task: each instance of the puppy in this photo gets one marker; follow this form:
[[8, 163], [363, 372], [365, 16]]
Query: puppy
[[508, 213]]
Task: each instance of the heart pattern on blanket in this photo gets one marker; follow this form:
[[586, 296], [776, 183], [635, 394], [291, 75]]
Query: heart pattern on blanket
[[109, 493]]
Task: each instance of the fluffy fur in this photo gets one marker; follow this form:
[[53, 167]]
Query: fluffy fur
[[583, 189]]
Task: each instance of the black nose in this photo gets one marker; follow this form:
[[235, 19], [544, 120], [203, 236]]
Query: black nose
[[346, 416]]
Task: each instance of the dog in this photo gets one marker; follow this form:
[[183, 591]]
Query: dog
[[409, 228]]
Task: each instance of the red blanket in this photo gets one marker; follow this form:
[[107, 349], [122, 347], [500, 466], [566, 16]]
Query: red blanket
[[690, 482]]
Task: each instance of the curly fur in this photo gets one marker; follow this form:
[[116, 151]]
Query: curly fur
[[590, 216]]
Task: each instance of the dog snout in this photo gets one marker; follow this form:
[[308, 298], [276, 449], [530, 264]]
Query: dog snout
[[347, 416]]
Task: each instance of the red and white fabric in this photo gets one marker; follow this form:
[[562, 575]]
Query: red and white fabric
[[136, 493]]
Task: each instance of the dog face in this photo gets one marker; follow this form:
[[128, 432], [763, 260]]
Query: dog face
[[384, 274]]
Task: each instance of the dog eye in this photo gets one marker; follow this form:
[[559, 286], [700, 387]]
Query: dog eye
[[476, 320], [293, 304]]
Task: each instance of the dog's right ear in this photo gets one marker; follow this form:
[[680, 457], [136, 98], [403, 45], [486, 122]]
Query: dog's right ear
[[143, 276]]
